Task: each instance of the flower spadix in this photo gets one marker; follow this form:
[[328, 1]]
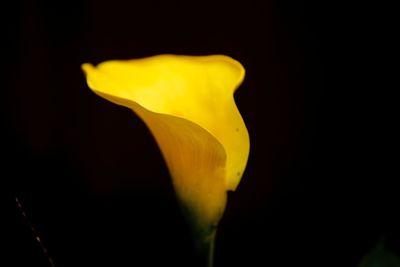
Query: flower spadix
[[187, 103]]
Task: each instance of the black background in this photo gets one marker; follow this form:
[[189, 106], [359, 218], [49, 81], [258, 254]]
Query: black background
[[316, 191]]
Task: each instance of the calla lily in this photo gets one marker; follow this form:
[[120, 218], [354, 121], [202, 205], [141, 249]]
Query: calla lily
[[187, 103]]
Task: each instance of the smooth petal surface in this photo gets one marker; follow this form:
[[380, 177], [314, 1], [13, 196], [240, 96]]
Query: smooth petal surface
[[187, 103]]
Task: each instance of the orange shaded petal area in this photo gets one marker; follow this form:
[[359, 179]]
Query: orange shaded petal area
[[187, 103]]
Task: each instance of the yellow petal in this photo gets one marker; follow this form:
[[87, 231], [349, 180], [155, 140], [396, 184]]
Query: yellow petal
[[187, 103]]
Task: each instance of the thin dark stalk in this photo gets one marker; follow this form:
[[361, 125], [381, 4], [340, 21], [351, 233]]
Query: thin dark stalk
[[211, 250], [205, 249], [34, 232]]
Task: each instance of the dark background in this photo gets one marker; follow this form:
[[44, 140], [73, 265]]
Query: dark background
[[316, 191]]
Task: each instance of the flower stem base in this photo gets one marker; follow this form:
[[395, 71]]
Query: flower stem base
[[205, 249]]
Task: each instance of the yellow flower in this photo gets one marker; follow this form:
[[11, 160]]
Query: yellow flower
[[187, 103]]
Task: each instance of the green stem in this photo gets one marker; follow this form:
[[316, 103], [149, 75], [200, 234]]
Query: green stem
[[206, 249], [212, 249]]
